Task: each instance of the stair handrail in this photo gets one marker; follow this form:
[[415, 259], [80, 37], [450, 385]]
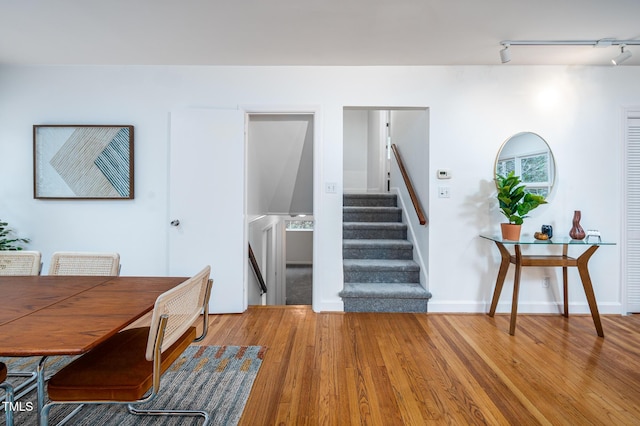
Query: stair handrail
[[422, 218], [257, 272]]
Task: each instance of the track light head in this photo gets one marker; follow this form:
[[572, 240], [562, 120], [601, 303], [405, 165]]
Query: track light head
[[505, 54], [623, 56]]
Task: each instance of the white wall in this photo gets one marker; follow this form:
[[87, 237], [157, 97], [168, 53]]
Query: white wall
[[299, 247], [410, 134], [473, 109], [376, 141], [355, 136], [280, 164]]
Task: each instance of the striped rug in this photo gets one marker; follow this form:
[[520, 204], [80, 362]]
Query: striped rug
[[216, 379]]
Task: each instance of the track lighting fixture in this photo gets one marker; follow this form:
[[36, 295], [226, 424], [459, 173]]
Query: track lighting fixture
[[623, 56], [505, 53]]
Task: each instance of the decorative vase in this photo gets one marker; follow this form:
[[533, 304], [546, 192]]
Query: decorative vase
[[577, 233], [510, 231]]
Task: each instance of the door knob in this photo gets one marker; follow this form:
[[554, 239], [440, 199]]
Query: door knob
[[175, 222]]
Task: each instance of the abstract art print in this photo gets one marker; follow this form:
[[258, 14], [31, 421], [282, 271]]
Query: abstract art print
[[82, 162]]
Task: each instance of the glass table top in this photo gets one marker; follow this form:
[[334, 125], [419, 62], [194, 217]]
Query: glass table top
[[591, 241]]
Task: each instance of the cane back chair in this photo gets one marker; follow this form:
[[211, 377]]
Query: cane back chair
[[126, 368], [20, 262], [84, 263]]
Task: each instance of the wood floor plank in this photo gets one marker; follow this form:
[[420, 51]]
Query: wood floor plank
[[413, 369]]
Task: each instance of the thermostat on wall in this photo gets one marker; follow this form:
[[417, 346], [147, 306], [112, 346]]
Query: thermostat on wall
[[444, 174]]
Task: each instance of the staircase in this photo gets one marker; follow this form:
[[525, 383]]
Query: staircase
[[380, 274]]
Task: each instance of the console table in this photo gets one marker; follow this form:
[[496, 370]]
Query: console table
[[564, 261]]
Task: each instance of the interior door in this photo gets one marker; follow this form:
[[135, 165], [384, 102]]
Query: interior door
[[632, 214], [206, 202]]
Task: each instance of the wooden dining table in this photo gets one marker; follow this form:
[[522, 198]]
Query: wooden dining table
[[69, 315]]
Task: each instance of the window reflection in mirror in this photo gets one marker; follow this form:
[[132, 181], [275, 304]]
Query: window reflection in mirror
[[528, 156]]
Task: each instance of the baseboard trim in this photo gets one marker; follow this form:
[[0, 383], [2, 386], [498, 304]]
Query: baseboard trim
[[329, 307], [523, 308]]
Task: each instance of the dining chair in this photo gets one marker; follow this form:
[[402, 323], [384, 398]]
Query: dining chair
[[126, 368], [13, 263], [8, 395], [84, 263], [20, 262]]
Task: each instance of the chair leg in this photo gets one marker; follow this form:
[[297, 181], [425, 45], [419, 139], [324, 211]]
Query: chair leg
[[139, 412], [29, 384], [44, 414], [9, 401]]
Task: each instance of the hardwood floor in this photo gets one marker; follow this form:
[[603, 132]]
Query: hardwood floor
[[416, 369]]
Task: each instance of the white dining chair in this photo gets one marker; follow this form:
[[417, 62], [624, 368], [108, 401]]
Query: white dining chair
[[85, 263], [20, 262]]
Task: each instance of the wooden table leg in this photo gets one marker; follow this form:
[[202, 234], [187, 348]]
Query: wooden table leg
[[516, 291], [502, 273], [588, 287], [565, 281]]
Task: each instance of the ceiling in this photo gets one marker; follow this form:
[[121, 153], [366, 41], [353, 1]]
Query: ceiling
[[311, 32]]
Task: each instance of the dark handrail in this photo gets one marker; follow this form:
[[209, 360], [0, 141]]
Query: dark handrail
[[407, 181], [256, 270]]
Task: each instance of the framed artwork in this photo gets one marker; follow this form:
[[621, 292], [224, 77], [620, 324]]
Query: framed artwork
[[82, 162]]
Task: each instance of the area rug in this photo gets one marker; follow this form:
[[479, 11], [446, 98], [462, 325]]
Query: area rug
[[216, 379]]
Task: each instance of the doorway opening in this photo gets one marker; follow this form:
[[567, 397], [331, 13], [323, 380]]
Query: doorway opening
[[374, 138], [299, 261], [368, 134], [279, 192]]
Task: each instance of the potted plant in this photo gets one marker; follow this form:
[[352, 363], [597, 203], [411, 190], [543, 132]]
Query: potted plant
[[7, 240], [515, 204]]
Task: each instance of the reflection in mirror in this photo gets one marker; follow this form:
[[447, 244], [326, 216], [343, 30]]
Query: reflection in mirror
[[528, 156]]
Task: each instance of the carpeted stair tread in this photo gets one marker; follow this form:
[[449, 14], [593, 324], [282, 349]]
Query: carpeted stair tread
[[382, 199], [380, 265], [377, 249], [374, 225], [372, 214], [371, 208], [374, 230], [376, 243], [385, 290]]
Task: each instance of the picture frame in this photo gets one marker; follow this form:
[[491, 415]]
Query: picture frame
[[83, 162]]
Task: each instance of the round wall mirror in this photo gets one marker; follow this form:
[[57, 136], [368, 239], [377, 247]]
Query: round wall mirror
[[528, 156]]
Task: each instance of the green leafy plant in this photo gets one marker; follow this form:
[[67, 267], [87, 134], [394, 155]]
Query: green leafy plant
[[7, 239], [514, 202]]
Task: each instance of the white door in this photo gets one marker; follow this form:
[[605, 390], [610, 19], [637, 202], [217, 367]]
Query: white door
[[206, 202]]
